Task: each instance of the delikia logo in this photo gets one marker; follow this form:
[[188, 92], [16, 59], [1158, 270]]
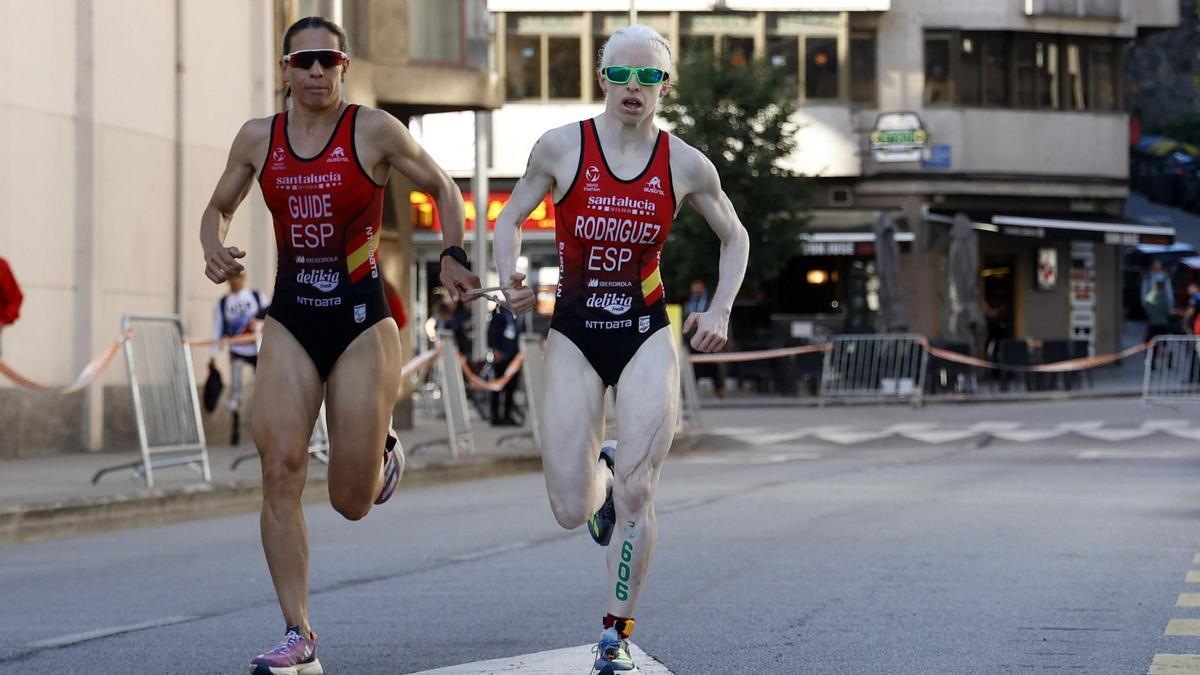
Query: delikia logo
[[277, 155], [322, 280], [592, 174], [360, 313], [654, 186], [338, 155], [613, 303]]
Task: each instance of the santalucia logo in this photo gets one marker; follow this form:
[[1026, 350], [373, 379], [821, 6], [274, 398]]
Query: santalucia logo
[[613, 303], [322, 280]]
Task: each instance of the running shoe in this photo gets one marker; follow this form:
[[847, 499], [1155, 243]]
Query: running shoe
[[602, 522], [294, 655], [612, 654], [393, 466]]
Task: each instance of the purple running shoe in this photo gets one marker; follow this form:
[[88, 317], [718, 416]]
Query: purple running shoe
[[393, 467], [294, 655]]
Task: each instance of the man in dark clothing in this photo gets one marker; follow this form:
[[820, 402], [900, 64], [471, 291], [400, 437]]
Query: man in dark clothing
[[503, 333], [698, 301]]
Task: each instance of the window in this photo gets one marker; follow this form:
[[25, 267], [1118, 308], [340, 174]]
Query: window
[[1073, 74], [737, 51], [523, 63], [937, 71], [970, 63], [783, 53], [995, 69], [1102, 76], [1037, 73], [862, 68], [564, 67], [1048, 72], [692, 45], [435, 30], [820, 68]]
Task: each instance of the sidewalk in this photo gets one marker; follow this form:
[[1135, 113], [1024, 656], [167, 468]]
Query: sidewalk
[[52, 497]]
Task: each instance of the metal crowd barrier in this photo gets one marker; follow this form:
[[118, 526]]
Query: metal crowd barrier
[[533, 377], [318, 443], [165, 400], [1172, 369], [874, 368], [454, 400], [689, 392]]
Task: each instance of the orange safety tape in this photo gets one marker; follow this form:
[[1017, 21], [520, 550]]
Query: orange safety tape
[[759, 355], [1056, 367], [86, 376], [419, 363], [499, 383], [235, 340]]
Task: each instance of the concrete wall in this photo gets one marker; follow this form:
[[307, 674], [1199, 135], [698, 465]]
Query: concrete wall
[[89, 185]]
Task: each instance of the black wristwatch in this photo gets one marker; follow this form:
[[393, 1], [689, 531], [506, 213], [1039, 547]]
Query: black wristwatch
[[458, 254]]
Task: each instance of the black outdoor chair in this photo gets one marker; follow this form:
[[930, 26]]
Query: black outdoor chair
[[1014, 352], [1080, 350], [949, 376], [1054, 351]]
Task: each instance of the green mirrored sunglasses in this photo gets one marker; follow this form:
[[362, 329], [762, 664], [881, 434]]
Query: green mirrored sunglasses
[[647, 77]]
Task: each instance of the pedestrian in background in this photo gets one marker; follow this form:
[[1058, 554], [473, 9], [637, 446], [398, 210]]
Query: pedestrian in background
[[697, 302], [503, 334], [1158, 311], [233, 316]]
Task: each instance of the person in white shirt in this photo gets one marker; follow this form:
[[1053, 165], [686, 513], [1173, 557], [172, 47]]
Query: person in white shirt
[[234, 315]]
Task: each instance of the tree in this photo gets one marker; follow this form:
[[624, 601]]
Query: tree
[[739, 117]]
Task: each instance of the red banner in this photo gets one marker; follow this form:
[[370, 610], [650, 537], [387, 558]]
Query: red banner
[[425, 216]]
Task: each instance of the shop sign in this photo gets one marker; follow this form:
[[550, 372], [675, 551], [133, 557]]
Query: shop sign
[[898, 137], [425, 215], [827, 248], [1080, 9], [1047, 268]]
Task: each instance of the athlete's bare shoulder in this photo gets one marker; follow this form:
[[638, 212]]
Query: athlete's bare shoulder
[[553, 146], [373, 120], [691, 171], [250, 144]]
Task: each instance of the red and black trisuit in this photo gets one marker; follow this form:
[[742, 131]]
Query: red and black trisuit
[[610, 233], [328, 214]]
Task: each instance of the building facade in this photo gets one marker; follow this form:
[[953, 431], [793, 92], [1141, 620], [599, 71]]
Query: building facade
[[1009, 112], [117, 128]]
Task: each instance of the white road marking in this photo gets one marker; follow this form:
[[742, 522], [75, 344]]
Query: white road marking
[[942, 436], [75, 638], [1114, 435], [1189, 434], [1160, 425], [553, 662], [852, 437], [1027, 435]]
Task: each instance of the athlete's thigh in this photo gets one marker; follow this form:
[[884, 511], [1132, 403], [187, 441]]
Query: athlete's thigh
[[359, 400], [287, 396], [647, 407], [573, 419]]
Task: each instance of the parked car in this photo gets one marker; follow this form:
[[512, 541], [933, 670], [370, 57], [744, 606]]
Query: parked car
[[1138, 260]]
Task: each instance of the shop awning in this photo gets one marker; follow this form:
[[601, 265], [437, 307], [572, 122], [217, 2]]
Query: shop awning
[[1075, 227], [845, 232]]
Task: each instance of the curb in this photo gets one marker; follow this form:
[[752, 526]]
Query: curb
[[953, 399], [28, 523]]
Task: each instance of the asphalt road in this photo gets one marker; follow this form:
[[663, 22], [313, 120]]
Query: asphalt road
[[778, 553]]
